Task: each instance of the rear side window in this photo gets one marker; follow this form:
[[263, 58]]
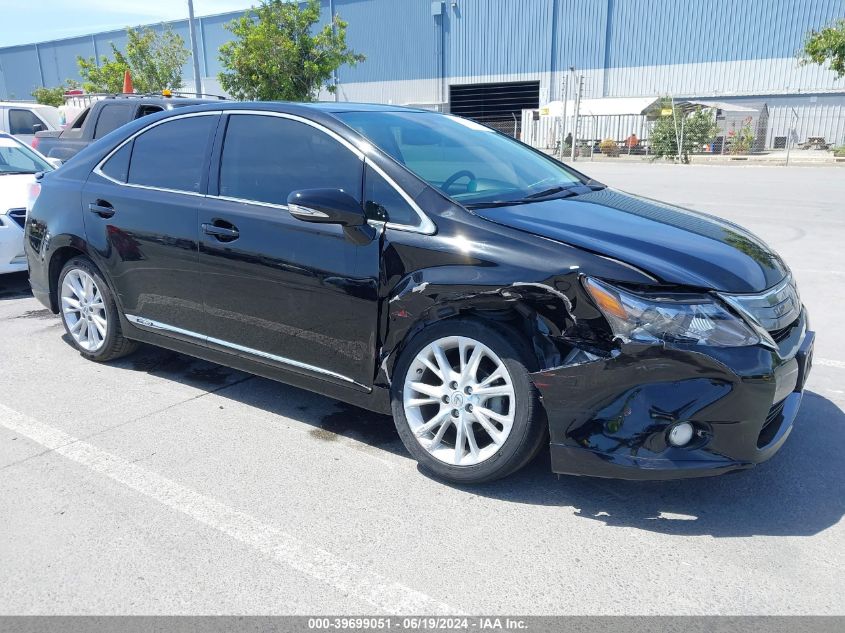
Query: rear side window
[[382, 202], [22, 122], [111, 117], [265, 158], [171, 155], [117, 167], [144, 110]]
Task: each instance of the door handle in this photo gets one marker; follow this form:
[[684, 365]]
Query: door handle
[[101, 208], [222, 233]]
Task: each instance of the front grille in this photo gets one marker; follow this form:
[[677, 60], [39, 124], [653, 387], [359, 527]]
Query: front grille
[[783, 333], [774, 309], [771, 425], [19, 216]]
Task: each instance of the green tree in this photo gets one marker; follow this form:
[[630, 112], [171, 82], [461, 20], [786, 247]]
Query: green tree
[[277, 55], [694, 130], [154, 61], [827, 45], [53, 96]]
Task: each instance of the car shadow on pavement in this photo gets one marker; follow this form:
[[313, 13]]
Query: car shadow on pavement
[[330, 419], [14, 286], [798, 492]]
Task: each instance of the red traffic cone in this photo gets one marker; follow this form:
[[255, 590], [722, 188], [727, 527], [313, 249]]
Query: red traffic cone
[[127, 83]]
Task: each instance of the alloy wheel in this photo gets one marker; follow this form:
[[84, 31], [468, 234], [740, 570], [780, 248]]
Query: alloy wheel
[[459, 400], [84, 310]]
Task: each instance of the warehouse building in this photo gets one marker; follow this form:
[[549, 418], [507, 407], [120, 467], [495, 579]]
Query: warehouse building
[[492, 59]]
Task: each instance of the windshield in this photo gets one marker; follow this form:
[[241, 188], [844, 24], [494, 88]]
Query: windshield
[[469, 162], [17, 158]]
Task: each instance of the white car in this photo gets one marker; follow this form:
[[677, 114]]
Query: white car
[[18, 166], [23, 119]]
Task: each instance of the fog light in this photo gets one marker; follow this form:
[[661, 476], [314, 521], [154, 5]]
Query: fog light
[[680, 434]]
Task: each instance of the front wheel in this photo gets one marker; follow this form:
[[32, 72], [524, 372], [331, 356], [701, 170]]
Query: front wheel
[[464, 404]]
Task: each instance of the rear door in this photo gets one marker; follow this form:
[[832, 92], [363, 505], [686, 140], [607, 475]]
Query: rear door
[[141, 209], [295, 295]]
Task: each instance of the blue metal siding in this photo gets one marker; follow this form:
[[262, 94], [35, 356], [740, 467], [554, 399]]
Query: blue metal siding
[[498, 38], [397, 36], [625, 47], [19, 72], [661, 32]]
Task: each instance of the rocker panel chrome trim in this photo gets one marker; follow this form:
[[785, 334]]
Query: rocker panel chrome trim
[[157, 325]]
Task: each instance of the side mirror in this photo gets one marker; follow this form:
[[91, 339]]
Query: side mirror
[[55, 162], [38, 127], [326, 206]]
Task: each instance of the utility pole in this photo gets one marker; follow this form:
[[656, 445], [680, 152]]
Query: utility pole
[[564, 89], [194, 54], [334, 34], [577, 113], [790, 134]]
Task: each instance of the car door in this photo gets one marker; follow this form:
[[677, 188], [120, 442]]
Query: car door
[[141, 207], [292, 294], [23, 124]]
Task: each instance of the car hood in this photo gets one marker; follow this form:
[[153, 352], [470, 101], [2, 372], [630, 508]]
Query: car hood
[[674, 245], [14, 190]]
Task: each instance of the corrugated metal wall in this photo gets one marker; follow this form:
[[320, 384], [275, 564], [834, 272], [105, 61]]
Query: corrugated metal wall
[[416, 48]]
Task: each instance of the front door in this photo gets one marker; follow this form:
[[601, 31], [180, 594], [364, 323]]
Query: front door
[[292, 294], [141, 210]]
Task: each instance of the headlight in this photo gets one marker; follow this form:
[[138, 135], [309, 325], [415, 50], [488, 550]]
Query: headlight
[[679, 318]]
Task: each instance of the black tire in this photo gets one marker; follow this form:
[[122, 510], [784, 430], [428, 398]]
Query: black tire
[[530, 429], [114, 344]]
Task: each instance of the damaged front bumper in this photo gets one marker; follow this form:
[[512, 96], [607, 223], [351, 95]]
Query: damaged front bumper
[[610, 417]]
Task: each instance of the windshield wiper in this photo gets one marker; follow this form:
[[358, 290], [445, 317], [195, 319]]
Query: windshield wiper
[[554, 192], [548, 192], [16, 173]]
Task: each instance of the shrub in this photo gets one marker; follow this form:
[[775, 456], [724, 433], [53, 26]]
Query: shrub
[[609, 147]]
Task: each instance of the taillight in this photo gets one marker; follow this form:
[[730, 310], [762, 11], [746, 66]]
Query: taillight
[[32, 196], [34, 142]]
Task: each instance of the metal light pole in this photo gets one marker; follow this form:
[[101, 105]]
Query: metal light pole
[[194, 54], [577, 113], [564, 92]]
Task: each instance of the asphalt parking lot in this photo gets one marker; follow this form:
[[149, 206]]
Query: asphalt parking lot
[[158, 484]]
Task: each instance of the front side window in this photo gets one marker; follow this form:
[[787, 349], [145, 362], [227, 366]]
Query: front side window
[[171, 155], [467, 161], [23, 122], [266, 157], [383, 203]]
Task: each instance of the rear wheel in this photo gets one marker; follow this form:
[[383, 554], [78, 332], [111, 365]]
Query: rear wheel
[[464, 404], [89, 313]]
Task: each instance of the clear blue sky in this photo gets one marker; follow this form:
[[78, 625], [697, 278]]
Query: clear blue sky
[[26, 21]]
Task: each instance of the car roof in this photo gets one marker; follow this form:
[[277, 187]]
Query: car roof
[[23, 104], [325, 108], [336, 107]]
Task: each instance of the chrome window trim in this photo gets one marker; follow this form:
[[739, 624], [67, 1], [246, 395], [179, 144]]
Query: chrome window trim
[[157, 325], [99, 168], [425, 227]]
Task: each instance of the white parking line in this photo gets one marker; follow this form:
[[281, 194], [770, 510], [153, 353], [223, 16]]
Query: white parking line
[[377, 591], [829, 363]]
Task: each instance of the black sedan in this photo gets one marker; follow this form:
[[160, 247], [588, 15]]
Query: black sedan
[[414, 263]]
